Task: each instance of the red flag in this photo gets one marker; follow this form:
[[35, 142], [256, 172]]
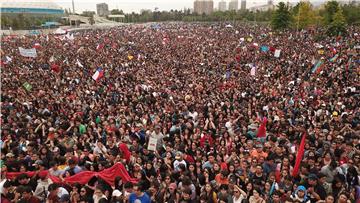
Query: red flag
[[55, 68], [262, 129], [299, 155], [99, 47], [108, 175]]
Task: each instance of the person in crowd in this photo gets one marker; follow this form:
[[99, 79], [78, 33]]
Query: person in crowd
[[192, 112]]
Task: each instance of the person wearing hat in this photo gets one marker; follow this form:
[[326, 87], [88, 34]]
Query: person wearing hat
[[42, 186], [116, 196], [300, 195], [179, 160], [39, 165], [158, 135], [11, 163]]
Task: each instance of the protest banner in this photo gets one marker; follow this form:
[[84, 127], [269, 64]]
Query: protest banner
[[28, 52]]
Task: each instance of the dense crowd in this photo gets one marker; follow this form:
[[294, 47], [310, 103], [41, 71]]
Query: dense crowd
[[223, 115]]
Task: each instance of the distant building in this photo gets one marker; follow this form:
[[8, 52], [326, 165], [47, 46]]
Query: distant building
[[243, 4], [233, 5], [262, 8], [222, 5], [203, 6], [102, 9]]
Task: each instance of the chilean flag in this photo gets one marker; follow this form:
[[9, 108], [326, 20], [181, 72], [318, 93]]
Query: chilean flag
[[98, 74]]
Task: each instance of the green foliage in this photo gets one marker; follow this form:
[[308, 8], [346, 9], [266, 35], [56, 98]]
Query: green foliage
[[338, 24], [117, 12], [305, 16], [281, 18], [331, 7], [88, 14], [352, 13]]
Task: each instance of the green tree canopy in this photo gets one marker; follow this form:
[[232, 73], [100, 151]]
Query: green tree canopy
[[281, 18], [338, 24], [305, 17], [331, 7]]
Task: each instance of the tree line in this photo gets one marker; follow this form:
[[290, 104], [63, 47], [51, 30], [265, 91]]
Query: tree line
[[332, 15]]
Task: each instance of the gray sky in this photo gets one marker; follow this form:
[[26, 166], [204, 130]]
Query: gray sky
[[137, 5]]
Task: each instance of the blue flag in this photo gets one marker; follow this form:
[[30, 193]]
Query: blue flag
[[264, 48]]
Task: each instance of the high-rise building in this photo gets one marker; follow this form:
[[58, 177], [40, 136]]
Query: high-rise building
[[222, 5], [102, 9], [203, 6], [243, 4], [233, 5]]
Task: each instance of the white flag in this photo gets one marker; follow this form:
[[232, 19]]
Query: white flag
[[8, 59], [78, 63], [52, 59], [253, 71], [277, 53]]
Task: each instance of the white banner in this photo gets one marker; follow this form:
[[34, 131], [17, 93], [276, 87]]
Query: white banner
[[28, 52], [152, 144]]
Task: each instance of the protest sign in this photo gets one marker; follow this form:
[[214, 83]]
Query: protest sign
[[27, 86], [28, 52], [152, 144]]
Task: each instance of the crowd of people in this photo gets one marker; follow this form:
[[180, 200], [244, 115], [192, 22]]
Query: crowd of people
[[195, 113]]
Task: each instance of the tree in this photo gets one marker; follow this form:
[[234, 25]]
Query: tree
[[117, 12], [331, 7], [281, 18], [91, 20], [88, 13], [305, 17], [351, 13], [338, 24]]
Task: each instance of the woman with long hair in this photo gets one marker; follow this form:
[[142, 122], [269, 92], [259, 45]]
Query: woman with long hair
[[209, 194]]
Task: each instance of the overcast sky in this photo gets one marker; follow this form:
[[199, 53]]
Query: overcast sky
[[136, 5]]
